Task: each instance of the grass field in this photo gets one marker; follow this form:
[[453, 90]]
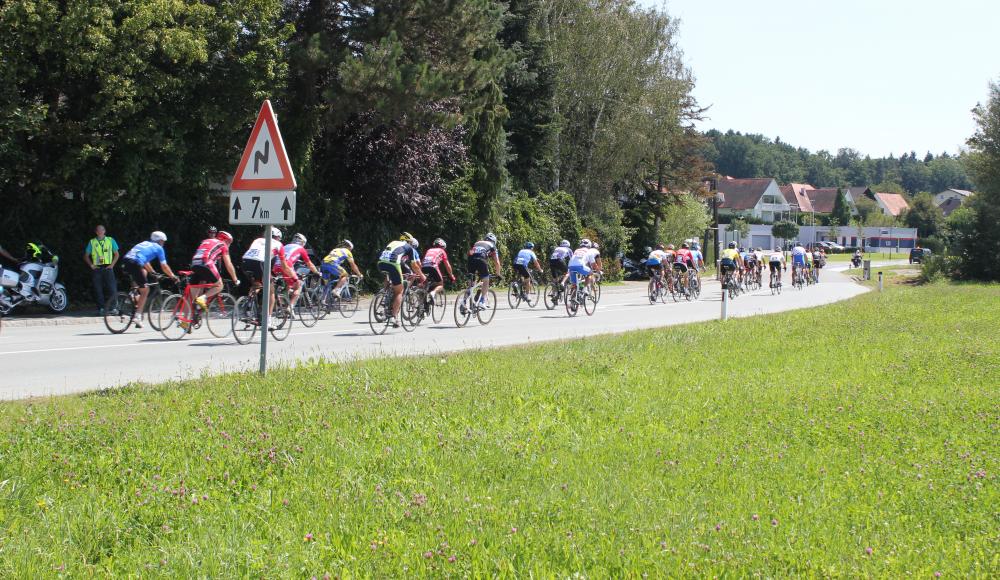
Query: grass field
[[700, 450]]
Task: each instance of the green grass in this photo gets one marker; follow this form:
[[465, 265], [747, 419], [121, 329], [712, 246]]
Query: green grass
[[702, 450]]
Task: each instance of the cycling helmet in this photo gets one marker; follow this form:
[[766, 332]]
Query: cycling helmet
[[564, 244], [299, 239], [658, 247], [491, 237], [224, 237], [696, 246], [585, 243], [439, 243], [275, 233], [529, 245], [647, 250], [732, 245], [158, 236], [670, 246], [414, 242], [685, 246], [595, 246], [347, 244], [212, 230]]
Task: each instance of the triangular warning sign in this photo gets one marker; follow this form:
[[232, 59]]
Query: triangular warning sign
[[264, 165]]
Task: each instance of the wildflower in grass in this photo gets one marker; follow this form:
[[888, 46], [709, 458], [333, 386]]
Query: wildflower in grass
[[937, 574], [451, 559], [755, 517], [774, 521], [473, 542], [284, 502], [869, 550], [718, 527], [513, 530], [428, 554], [308, 538]]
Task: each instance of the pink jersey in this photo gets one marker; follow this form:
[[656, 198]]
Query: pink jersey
[[434, 257], [209, 253]]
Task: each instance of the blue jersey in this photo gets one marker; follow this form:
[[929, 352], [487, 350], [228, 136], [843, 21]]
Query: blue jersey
[[525, 258], [697, 256], [145, 252]]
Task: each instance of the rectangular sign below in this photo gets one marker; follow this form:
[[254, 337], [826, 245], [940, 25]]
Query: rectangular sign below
[[262, 208]]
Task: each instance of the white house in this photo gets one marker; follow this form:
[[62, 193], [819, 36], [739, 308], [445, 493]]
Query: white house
[[757, 197], [959, 195]]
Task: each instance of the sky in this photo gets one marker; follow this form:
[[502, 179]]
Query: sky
[[878, 76]]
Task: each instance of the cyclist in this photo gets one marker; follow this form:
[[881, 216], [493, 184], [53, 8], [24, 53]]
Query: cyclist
[[818, 257], [731, 260], [586, 259], [776, 262], [295, 251], [390, 263], [431, 266], [333, 267], [485, 249], [559, 261], [205, 267], [749, 262], [655, 262], [254, 260], [526, 258], [137, 263], [799, 260], [699, 258], [683, 260]]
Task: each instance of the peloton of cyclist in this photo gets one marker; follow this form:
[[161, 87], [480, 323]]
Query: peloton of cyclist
[[390, 263], [137, 263], [525, 259], [776, 263], [334, 268], [479, 253], [559, 261], [205, 267], [431, 266]]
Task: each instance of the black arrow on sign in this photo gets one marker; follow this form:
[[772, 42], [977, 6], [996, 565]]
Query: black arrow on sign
[[236, 208], [286, 207]]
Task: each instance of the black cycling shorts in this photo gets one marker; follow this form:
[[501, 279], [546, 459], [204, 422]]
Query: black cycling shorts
[[727, 265], [774, 266], [135, 272], [681, 267], [558, 267], [395, 272], [817, 264], [433, 275], [522, 270], [254, 269], [203, 275], [479, 267]]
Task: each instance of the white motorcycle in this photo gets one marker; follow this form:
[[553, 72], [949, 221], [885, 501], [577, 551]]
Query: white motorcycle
[[34, 284]]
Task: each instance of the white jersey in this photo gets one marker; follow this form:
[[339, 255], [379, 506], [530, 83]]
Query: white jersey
[[776, 257], [759, 255], [256, 250], [799, 251], [585, 257]]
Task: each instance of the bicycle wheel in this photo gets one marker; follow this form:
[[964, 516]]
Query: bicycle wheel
[[350, 297], [570, 298], [307, 307], [175, 317], [463, 308], [119, 312], [487, 310], [695, 285], [439, 306], [280, 323], [379, 315], [590, 301], [551, 295], [597, 291], [675, 288], [514, 295], [154, 303], [652, 291], [219, 317], [411, 309], [246, 318], [534, 295]]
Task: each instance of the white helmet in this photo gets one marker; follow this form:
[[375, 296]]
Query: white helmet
[[491, 237], [347, 244], [564, 244], [158, 236], [585, 243], [595, 246], [299, 239], [275, 233]]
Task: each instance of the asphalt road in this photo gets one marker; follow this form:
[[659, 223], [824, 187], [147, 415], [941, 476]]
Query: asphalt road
[[58, 360]]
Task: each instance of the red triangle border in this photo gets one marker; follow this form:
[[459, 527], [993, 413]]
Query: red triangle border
[[287, 181]]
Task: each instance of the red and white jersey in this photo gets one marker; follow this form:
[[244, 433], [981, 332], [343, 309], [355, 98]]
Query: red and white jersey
[[433, 258], [209, 252]]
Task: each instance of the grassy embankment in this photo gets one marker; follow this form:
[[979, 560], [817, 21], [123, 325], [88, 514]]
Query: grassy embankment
[[697, 450]]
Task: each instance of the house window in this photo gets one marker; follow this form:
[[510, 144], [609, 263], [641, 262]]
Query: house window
[[767, 216]]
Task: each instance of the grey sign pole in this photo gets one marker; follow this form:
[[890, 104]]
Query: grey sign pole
[[265, 301], [725, 303]]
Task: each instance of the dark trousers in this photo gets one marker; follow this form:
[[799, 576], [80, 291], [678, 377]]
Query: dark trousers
[[105, 285]]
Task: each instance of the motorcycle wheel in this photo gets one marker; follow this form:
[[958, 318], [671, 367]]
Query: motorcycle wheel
[[58, 300]]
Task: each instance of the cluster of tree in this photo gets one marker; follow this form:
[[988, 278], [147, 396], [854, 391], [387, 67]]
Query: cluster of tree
[[753, 155], [433, 116]]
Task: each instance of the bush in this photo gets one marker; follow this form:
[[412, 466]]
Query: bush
[[938, 266], [544, 219]]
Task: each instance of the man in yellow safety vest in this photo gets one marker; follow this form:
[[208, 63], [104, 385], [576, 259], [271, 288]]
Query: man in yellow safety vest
[[101, 255]]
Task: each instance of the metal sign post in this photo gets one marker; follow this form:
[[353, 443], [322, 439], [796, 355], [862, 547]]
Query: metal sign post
[[265, 314], [725, 302]]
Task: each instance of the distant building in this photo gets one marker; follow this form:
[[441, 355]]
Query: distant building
[[757, 197], [796, 196], [950, 205], [891, 203], [957, 194]]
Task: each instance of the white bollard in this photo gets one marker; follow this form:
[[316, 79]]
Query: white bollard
[[725, 303], [880, 281]]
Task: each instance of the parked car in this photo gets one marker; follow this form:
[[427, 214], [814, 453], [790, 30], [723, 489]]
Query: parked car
[[918, 255]]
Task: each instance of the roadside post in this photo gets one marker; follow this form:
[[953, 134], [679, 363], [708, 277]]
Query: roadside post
[[866, 272], [262, 193], [880, 281], [725, 302]]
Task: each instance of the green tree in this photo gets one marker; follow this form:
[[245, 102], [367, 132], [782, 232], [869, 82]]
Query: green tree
[[740, 227], [924, 215], [785, 230], [841, 210], [980, 236]]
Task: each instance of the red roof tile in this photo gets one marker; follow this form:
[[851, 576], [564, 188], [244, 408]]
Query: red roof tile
[[823, 199], [796, 193], [894, 203], [743, 194]]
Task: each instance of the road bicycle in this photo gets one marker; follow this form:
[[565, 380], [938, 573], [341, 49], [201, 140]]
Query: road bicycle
[[694, 284], [120, 310], [730, 284], [309, 305], [775, 282], [555, 292], [656, 290], [516, 293], [180, 314], [579, 295], [473, 300], [247, 315], [345, 301], [798, 277], [380, 309], [678, 289], [422, 304]]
